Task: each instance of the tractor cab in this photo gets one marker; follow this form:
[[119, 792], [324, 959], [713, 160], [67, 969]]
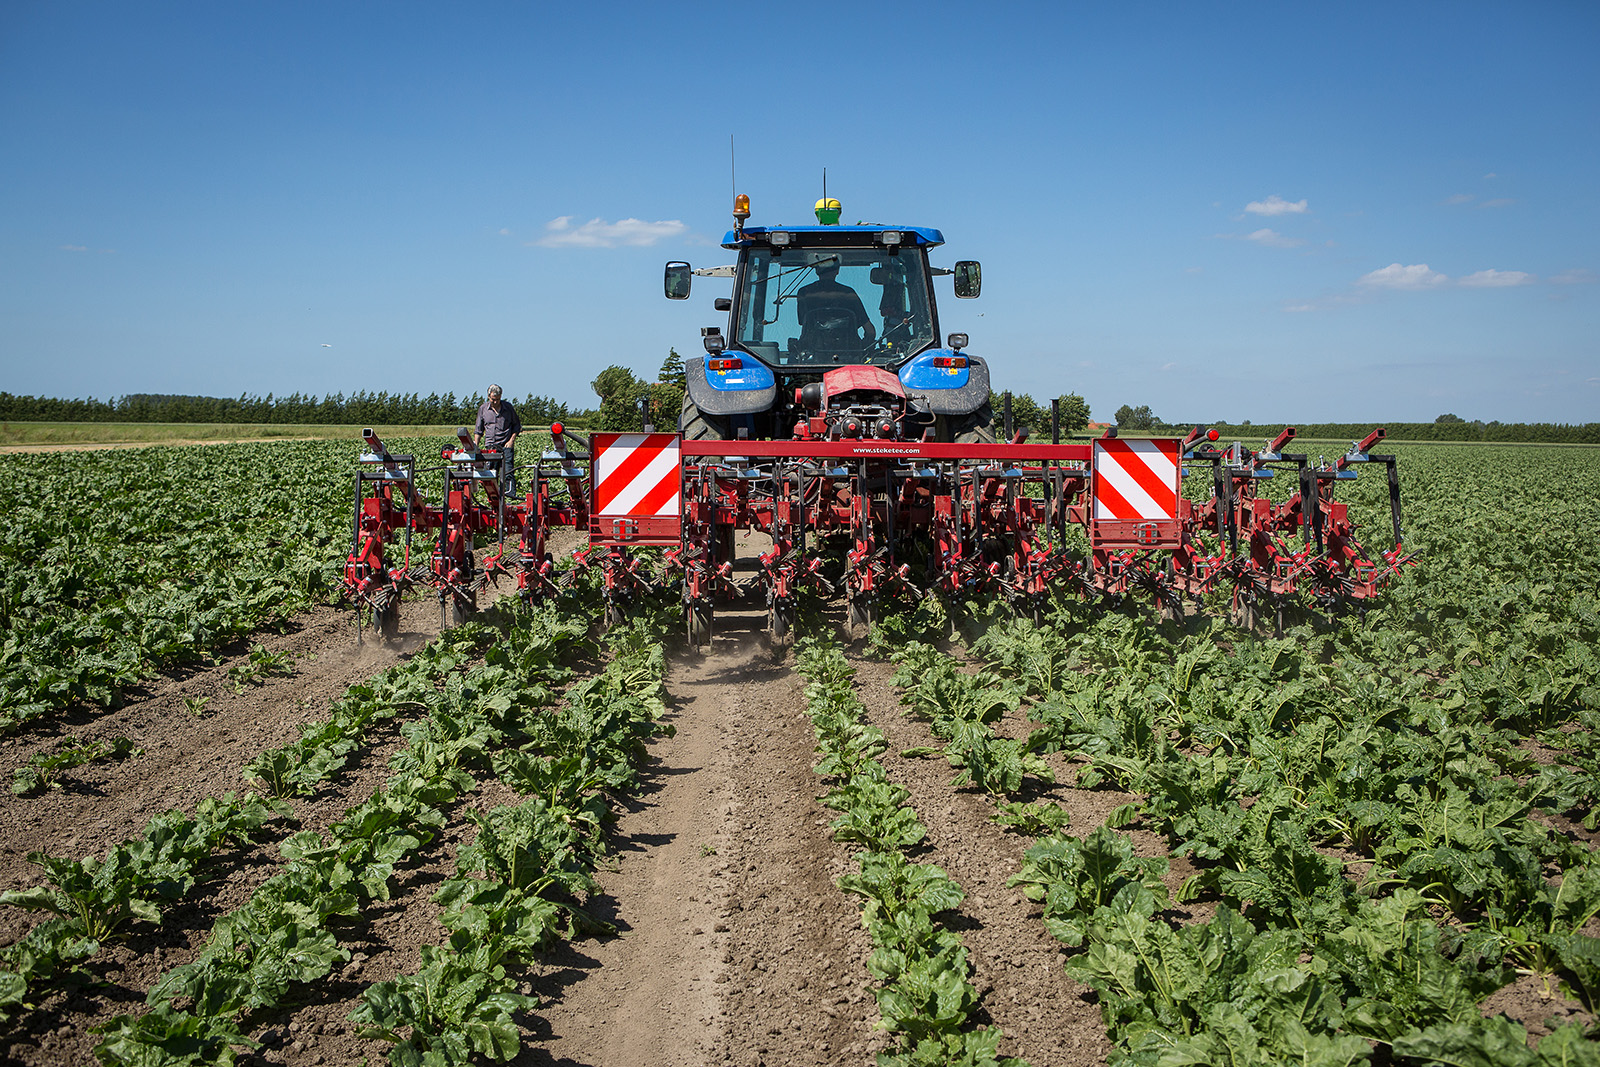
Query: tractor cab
[[809, 299], [817, 302]]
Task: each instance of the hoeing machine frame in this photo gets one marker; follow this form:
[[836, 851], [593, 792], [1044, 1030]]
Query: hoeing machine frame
[[878, 519]]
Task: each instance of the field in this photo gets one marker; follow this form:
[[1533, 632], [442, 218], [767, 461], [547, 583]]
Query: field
[[234, 833]]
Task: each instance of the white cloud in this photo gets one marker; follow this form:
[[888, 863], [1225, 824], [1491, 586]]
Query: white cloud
[[598, 233], [1169, 366], [504, 232], [1460, 198], [74, 248], [1394, 276], [1273, 239], [1276, 205], [1496, 279], [1576, 276], [1498, 202], [1300, 308]]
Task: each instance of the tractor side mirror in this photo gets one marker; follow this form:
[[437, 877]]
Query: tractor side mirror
[[722, 303], [969, 278], [677, 281]]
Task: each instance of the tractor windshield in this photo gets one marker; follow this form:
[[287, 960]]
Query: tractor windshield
[[812, 306]]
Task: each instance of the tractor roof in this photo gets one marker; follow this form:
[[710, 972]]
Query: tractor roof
[[831, 236]]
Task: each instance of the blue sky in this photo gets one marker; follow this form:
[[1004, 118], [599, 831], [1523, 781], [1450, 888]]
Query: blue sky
[[1272, 212]]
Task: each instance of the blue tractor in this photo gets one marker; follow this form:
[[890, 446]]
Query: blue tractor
[[810, 302]]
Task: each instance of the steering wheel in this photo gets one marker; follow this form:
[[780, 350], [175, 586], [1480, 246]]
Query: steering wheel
[[832, 320]]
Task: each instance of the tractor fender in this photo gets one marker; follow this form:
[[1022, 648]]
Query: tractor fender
[[949, 390], [751, 388]]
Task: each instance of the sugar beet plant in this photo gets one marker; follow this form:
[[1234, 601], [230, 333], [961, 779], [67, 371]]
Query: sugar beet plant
[[522, 883], [112, 566], [1397, 748], [519, 885], [925, 997], [94, 898]]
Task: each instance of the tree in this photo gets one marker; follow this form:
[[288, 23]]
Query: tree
[[666, 394], [1074, 414], [1139, 418], [1448, 418], [620, 392], [1025, 413], [1028, 414]]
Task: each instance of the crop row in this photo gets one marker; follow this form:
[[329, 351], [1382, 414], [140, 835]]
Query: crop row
[[94, 897], [1277, 770], [925, 995], [519, 883]]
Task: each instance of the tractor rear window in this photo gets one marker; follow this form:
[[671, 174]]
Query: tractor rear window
[[827, 307]]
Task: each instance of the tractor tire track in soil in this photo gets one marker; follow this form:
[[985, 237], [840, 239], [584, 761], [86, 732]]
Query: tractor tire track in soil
[[735, 946]]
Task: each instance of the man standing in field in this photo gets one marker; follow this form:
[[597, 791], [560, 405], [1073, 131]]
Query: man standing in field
[[498, 427]]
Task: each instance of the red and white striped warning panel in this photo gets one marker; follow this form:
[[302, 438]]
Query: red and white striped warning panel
[[1135, 492], [636, 483]]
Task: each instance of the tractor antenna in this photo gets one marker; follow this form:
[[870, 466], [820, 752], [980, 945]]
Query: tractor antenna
[[824, 183], [733, 168]]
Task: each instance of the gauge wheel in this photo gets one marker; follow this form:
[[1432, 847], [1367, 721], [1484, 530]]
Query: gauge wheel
[[780, 626], [463, 606], [1243, 612], [697, 624], [858, 615], [386, 618]]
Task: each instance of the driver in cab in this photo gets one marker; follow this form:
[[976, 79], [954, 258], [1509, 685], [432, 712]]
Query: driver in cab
[[831, 312]]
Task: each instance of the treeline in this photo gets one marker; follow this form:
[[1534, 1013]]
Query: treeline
[[371, 409], [620, 392], [1495, 432], [1448, 427]]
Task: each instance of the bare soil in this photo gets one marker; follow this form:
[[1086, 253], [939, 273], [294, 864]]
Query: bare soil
[[735, 945]]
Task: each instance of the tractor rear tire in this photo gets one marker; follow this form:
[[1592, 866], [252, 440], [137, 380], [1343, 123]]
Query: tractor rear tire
[[695, 425], [974, 428]]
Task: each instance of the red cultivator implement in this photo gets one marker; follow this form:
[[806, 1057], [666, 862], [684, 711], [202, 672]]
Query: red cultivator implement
[[1268, 555], [880, 519], [473, 508]]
